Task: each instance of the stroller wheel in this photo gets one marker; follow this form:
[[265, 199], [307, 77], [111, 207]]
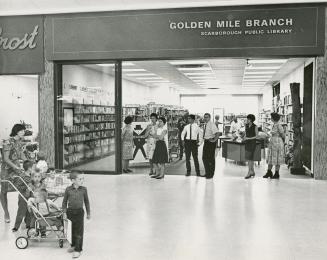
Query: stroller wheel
[[22, 242], [61, 243]]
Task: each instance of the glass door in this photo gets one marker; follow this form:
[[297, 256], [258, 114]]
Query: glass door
[[87, 118]]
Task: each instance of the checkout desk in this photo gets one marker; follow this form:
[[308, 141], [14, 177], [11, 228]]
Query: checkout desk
[[233, 150]]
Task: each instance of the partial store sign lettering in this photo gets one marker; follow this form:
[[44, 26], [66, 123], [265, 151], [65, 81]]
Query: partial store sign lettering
[[21, 45], [195, 32]]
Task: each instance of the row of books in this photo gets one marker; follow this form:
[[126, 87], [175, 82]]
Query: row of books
[[88, 136], [86, 109], [88, 127]]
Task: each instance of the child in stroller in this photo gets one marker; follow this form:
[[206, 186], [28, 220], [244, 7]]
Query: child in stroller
[[45, 214]]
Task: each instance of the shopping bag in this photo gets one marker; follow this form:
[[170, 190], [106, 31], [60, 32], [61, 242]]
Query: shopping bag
[[68, 230]]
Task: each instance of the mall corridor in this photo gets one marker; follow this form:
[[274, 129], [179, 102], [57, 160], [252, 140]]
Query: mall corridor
[[135, 217]]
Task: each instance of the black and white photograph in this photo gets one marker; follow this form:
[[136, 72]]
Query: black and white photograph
[[163, 130]]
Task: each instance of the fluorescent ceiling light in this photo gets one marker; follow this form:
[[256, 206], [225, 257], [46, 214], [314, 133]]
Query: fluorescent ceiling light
[[257, 77], [106, 65], [189, 62], [267, 61], [133, 70], [255, 80], [144, 78], [263, 68], [259, 72], [201, 77], [197, 73], [126, 63], [157, 81], [140, 74], [195, 69]]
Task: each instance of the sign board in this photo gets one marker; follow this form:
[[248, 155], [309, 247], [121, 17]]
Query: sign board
[[195, 32], [21, 45]]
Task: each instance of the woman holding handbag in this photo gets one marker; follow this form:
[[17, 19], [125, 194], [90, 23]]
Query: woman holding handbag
[[13, 157], [275, 147]]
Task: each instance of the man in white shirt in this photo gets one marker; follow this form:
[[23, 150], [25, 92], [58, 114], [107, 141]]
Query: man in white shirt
[[191, 135], [210, 136], [235, 126]]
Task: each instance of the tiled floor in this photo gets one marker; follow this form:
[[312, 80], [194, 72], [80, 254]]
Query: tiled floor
[[135, 217]]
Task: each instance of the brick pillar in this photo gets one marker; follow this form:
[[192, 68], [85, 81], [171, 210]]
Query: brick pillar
[[46, 113], [320, 123]]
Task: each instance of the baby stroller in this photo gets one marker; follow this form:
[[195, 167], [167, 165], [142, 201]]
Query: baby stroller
[[42, 223]]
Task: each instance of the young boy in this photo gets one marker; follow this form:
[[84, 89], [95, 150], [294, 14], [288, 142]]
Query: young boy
[[74, 199], [22, 212], [46, 208]]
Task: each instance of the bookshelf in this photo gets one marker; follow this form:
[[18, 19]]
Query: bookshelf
[[89, 133]]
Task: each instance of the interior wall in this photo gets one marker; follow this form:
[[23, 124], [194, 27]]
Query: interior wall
[[19, 102], [104, 84], [235, 104], [164, 95]]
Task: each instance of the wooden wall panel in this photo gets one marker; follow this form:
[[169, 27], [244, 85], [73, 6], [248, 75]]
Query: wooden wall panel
[[320, 124], [46, 113]]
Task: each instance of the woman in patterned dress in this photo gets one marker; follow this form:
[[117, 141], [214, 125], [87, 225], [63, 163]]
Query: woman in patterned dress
[[151, 141], [13, 157], [128, 144], [275, 147]]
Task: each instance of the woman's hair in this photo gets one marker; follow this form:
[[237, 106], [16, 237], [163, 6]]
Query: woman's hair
[[128, 120], [17, 128], [251, 117], [192, 116], [154, 115], [275, 116], [163, 119]]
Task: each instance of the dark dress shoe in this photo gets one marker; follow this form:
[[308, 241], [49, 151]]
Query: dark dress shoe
[[129, 170], [160, 177], [249, 176], [188, 174], [125, 171], [269, 174], [276, 175]]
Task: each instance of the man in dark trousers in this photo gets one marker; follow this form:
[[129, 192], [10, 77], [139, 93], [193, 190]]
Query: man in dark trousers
[[210, 136], [181, 125], [139, 140], [191, 140]]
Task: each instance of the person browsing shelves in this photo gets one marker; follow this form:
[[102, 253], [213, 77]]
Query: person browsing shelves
[[210, 136], [191, 140]]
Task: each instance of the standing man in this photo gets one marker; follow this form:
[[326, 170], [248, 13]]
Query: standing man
[[191, 140], [210, 136], [181, 125]]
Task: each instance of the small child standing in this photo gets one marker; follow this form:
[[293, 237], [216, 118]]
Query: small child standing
[[22, 212], [74, 199]]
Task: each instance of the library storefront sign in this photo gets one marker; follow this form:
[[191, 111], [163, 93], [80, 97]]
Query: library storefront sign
[[21, 45]]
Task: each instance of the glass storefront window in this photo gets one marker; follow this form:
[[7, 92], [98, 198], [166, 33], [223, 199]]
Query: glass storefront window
[[88, 111]]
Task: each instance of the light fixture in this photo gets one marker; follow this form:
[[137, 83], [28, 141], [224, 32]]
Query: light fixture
[[145, 78], [189, 62], [195, 69], [197, 73], [106, 65], [263, 68], [126, 63], [201, 77], [157, 81], [279, 61], [257, 77], [133, 70], [140, 74], [259, 72]]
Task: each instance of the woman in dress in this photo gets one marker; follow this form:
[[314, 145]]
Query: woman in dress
[[128, 144], [151, 141], [275, 147], [13, 157], [251, 133], [160, 154]]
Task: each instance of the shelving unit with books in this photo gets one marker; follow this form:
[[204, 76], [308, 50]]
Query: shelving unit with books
[[90, 135]]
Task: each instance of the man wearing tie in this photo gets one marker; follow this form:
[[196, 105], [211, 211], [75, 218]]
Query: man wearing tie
[[191, 139], [210, 136]]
